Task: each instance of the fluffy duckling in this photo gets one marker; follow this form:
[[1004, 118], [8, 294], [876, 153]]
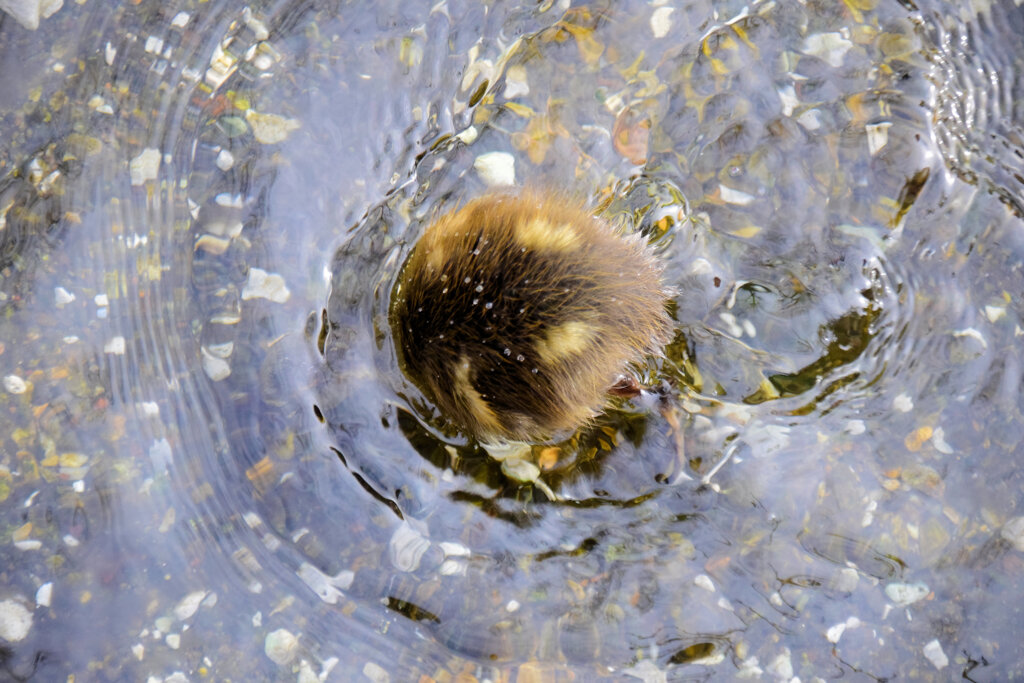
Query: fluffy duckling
[[518, 314]]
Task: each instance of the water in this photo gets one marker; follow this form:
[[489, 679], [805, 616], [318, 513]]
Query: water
[[212, 466]]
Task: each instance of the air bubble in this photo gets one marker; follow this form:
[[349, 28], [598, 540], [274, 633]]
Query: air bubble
[[508, 352], [489, 305], [476, 301], [479, 288], [520, 358], [468, 280]]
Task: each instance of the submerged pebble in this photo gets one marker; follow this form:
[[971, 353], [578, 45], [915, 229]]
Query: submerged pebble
[[15, 621], [280, 646]]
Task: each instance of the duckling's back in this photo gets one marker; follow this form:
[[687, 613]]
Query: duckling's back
[[516, 313]]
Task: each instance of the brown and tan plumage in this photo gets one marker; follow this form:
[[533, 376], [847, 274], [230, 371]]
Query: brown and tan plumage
[[517, 313]]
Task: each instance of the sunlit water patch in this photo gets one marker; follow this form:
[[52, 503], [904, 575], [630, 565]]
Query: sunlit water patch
[[213, 466]]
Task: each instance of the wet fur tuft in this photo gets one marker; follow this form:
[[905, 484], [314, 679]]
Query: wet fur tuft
[[517, 312]]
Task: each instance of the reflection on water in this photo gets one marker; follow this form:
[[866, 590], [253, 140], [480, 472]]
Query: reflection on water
[[212, 467]]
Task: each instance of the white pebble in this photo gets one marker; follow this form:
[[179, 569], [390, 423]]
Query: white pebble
[[145, 166], [855, 427], [44, 594], [904, 594], [496, 168], [468, 136], [139, 650], [306, 673], [280, 646], [704, 581], [15, 621], [215, 368], [376, 673], [15, 385], [264, 285], [225, 160], [782, 666], [269, 129], [116, 346], [189, 605], [903, 403], [661, 21], [831, 47], [1013, 531], [173, 641], [451, 549], [939, 441], [62, 297], [878, 136], [180, 20], [406, 548], [994, 313], [934, 654]]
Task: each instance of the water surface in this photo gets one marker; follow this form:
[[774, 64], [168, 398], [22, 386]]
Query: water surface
[[212, 466]]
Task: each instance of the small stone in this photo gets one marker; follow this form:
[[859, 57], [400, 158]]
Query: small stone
[[903, 403], [661, 21], [406, 548], [264, 285], [496, 168], [704, 581], [994, 313], [225, 160], [62, 297], [115, 346], [28, 13], [831, 47], [269, 129], [139, 650], [189, 605], [145, 166], [782, 666], [215, 368], [1013, 531], [904, 594], [280, 646], [376, 673], [934, 654], [15, 621], [847, 580], [306, 673], [173, 641], [15, 385], [44, 594], [878, 136]]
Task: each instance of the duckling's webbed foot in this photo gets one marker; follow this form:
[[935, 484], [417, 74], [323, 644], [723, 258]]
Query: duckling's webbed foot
[[517, 464]]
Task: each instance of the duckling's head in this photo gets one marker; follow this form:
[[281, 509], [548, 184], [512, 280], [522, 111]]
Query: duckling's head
[[516, 313]]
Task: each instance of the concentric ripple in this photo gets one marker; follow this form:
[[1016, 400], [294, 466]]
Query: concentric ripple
[[213, 465]]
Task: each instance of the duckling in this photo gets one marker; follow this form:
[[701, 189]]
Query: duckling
[[519, 313]]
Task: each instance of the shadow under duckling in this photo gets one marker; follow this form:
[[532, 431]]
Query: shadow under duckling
[[518, 315]]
